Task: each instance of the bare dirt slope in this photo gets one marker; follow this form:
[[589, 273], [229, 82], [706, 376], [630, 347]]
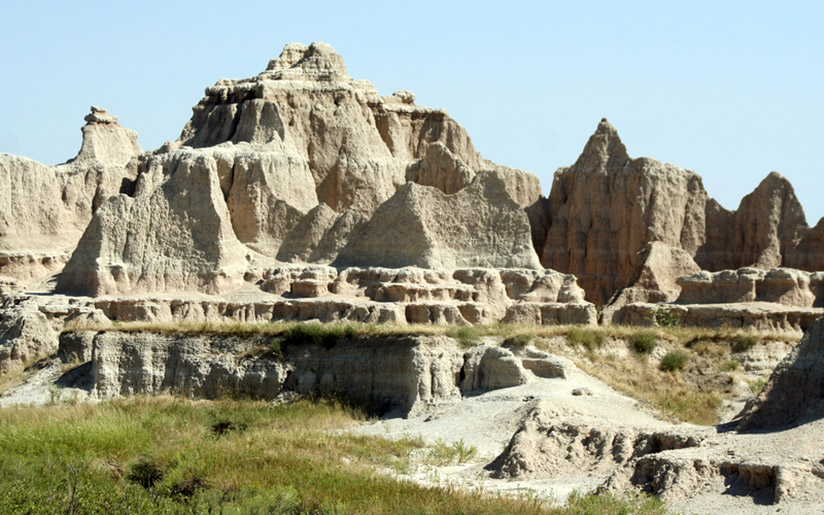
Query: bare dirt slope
[[553, 436]]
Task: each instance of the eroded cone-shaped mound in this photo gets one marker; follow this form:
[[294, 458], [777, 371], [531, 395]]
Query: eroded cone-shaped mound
[[480, 226], [175, 234], [795, 392]]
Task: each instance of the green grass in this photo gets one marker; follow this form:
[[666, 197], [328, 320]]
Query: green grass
[[674, 360], [757, 385], [458, 452], [643, 341], [744, 342], [590, 338], [326, 335], [170, 455]]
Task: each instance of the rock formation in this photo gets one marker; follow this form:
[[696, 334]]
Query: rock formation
[[45, 209], [607, 207], [292, 165], [794, 393], [763, 232], [303, 164], [410, 373]]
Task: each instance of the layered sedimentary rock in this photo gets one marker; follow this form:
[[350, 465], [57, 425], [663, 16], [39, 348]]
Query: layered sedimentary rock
[[404, 372], [784, 286], [607, 207], [656, 280], [303, 163], [45, 209], [479, 226], [794, 393], [764, 231], [377, 295]]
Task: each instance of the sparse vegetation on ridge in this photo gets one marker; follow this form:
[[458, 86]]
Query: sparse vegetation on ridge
[[681, 334], [692, 372], [170, 455]]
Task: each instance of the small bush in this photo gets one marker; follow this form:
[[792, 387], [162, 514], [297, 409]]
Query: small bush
[[145, 473], [519, 340], [326, 335], [757, 385], [588, 338], [643, 342], [674, 360], [457, 452], [222, 427], [667, 318], [744, 342]]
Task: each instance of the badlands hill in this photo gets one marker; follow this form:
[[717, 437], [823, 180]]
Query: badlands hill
[[302, 194], [303, 164]]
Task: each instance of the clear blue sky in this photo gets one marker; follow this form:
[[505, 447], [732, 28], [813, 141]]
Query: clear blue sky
[[732, 90]]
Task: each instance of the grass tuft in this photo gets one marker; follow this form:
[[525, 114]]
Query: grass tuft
[[644, 341], [744, 342], [589, 338], [674, 360]]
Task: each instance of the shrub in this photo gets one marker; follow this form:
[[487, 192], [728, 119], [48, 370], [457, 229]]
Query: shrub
[[730, 365], [643, 341], [589, 338], [744, 342], [326, 335], [665, 318], [145, 473], [757, 385], [457, 452], [519, 340], [674, 360]]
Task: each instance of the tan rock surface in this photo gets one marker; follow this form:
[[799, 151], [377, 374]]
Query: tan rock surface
[[607, 207], [106, 142], [290, 165], [480, 226], [656, 280], [45, 209], [783, 286], [794, 393]]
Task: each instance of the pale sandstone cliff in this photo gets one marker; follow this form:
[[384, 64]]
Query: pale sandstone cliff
[[45, 209], [604, 211], [763, 232], [607, 207], [291, 165]]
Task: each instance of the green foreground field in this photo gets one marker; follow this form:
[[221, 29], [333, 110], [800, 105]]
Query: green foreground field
[[172, 455]]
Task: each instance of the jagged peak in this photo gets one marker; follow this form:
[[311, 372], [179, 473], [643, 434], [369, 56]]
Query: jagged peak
[[603, 151], [297, 61]]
